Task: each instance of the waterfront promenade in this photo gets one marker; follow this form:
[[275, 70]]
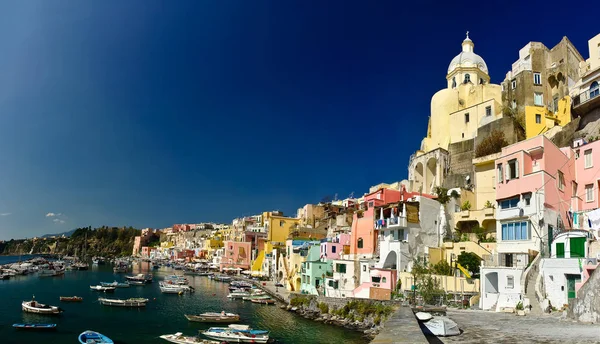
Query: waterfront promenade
[[401, 327]]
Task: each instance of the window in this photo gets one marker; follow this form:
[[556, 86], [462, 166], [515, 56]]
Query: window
[[510, 282], [333, 249], [466, 118], [467, 78], [488, 110], [577, 154], [555, 104], [513, 84], [537, 78], [512, 170], [574, 186], [454, 82], [561, 181], [515, 231], [538, 98], [360, 243], [514, 104], [341, 268], [371, 204], [594, 89], [587, 155], [538, 118], [457, 208], [330, 283], [527, 198], [281, 223], [383, 279], [509, 203], [375, 279], [500, 174], [589, 193], [364, 268]]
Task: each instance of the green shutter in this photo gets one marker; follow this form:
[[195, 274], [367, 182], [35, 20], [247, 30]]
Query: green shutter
[[577, 247], [560, 250]]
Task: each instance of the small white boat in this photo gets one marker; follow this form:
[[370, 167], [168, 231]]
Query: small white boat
[[172, 289], [237, 334], [238, 294], [440, 326], [102, 288], [423, 316], [211, 317], [132, 302], [179, 338], [40, 308]]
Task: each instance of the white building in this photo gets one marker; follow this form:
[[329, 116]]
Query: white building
[[346, 275]]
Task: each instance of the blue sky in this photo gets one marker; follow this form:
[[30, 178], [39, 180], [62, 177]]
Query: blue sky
[[150, 113]]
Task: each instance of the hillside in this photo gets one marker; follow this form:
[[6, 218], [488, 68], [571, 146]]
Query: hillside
[[103, 241]]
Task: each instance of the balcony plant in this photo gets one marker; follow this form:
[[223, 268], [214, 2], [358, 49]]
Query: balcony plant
[[489, 205], [465, 206]]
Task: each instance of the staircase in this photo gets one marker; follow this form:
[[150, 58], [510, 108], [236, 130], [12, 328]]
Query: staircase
[[536, 309], [287, 273]]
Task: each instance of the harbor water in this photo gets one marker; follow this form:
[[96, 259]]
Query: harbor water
[[164, 313]]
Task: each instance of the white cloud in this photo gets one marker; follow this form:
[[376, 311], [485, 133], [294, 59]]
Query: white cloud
[[59, 221], [50, 215], [5, 214]]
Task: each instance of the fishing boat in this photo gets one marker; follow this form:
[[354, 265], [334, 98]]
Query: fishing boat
[[213, 317], [102, 288], [221, 278], [40, 308], [120, 268], [175, 279], [71, 298], [140, 277], [197, 273], [238, 294], [179, 338], [131, 302], [255, 297], [237, 334], [172, 289], [49, 271], [264, 301], [35, 327], [93, 337], [114, 284], [440, 326], [80, 266]]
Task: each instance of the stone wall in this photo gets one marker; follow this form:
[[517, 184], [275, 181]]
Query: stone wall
[[586, 307], [461, 157], [564, 138]]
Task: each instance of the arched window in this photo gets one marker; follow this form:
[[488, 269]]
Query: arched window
[[594, 89], [481, 81], [453, 82], [382, 279], [360, 243], [467, 78]]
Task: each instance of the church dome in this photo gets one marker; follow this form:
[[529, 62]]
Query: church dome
[[467, 58]]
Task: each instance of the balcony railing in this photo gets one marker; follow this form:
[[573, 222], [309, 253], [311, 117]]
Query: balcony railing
[[584, 97], [391, 222]]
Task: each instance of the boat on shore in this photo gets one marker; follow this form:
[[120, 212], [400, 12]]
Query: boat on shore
[[35, 327], [237, 334], [213, 317], [102, 288], [71, 298], [131, 302], [115, 284], [93, 337], [440, 326], [40, 308], [179, 338]]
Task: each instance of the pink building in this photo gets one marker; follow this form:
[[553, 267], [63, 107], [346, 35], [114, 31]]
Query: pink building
[[146, 251], [334, 248], [587, 164], [534, 184], [237, 255]]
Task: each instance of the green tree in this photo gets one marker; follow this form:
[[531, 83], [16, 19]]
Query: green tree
[[469, 261], [442, 268]]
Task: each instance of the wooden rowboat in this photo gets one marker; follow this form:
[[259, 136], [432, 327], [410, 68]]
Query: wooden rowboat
[[71, 298]]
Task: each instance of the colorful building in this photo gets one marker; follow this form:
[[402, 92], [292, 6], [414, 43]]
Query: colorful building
[[313, 272], [236, 255]]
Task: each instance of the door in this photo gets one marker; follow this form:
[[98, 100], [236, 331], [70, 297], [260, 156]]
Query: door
[[571, 280], [577, 247], [560, 250]]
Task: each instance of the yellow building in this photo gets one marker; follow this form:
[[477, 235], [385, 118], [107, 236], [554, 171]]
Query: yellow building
[[279, 228], [457, 112], [539, 119]]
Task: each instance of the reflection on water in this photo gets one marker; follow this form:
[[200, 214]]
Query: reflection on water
[[164, 313]]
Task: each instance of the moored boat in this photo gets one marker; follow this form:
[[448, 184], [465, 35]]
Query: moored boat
[[238, 294], [102, 289], [264, 301], [179, 338], [93, 337], [114, 284], [423, 316], [39, 308], [237, 334], [71, 298], [35, 327], [211, 317], [131, 302], [172, 289], [137, 283]]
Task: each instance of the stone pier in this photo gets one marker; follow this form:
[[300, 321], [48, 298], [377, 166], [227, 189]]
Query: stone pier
[[401, 327]]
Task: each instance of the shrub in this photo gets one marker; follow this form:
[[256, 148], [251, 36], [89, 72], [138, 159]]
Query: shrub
[[465, 206], [489, 204], [323, 307], [442, 268], [493, 143], [298, 301]]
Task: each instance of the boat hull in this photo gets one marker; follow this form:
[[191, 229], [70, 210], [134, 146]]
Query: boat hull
[[35, 327], [213, 319], [98, 337]]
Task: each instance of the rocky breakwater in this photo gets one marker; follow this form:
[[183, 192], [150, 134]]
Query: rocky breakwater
[[367, 316]]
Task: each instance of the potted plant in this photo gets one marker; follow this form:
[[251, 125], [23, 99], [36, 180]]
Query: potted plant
[[488, 208], [465, 207]]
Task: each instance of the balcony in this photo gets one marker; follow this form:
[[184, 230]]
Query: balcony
[[585, 102], [475, 215], [391, 222]]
